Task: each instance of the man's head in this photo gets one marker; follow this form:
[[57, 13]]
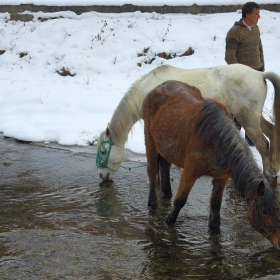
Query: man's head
[[251, 13]]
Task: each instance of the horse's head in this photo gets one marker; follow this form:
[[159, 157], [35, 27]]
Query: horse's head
[[264, 212], [109, 156]]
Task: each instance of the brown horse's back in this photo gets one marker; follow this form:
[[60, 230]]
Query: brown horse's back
[[170, 113], [167, 91]]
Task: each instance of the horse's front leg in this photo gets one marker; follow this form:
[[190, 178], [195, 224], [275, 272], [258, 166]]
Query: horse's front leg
[[152, 174], [216, 201], [152, 170], [180, 200], [164, 167], [152, 164]]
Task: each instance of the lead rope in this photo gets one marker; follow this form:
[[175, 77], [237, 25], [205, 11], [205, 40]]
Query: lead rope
[[129, 168]]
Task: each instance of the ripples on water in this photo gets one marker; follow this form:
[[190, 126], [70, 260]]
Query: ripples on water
[[58, 221]]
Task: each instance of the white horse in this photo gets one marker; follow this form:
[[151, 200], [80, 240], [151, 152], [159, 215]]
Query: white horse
[[242, 89]]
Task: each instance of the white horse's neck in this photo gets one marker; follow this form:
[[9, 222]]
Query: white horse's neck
[[128, 112]]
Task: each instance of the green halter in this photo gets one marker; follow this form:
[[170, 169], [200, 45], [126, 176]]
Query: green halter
[[102, 157]]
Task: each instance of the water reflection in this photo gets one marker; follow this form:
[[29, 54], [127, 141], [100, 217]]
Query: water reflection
[[175, 252], [106, 203], [58, 221]]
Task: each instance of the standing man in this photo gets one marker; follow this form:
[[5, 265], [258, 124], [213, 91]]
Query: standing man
[[243, 44]]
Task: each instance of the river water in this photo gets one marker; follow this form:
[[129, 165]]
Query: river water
[[59, 221]]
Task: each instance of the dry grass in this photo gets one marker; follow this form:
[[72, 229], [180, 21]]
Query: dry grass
[[163, 55], [64, 72]]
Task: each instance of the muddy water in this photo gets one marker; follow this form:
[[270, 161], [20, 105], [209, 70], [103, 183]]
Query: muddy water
[[59, 221]]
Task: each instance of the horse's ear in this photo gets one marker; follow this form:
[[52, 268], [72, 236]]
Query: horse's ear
[[108, 133], [261, 189], [273, 183]]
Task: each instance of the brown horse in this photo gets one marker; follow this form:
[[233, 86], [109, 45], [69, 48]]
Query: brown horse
[[197, 134]]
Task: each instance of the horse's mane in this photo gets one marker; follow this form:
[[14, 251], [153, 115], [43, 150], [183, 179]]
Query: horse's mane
[[219, 132], [268, 202], [129, 110], [126, 114], [230, 150]]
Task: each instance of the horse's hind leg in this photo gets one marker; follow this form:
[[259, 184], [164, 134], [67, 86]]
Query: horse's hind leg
[[268, 129], [252, 126], [180, 200], [164, 168], [216, 201]]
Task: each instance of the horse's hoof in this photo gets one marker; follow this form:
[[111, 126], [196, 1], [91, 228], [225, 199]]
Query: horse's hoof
[[214, 223], [152, 204], [170, 220], [215, 231]]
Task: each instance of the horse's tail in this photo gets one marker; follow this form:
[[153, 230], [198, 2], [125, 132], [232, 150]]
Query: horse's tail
[[275, 80]]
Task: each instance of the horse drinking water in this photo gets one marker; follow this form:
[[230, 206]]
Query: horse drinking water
[[197, 134], [242, 89]]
